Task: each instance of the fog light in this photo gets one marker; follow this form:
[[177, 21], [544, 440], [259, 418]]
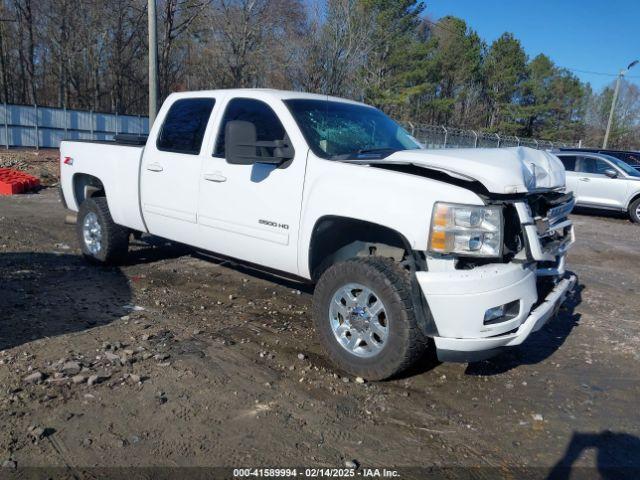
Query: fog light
[[494, 313], [505, 312]]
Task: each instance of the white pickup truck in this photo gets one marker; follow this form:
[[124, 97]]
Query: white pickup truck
[[408, 248]]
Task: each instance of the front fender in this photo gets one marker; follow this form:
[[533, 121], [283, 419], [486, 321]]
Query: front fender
[[633, 192], [400, 201]]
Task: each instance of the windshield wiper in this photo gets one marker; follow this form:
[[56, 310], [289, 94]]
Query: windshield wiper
[[374, 153], [378, 150]]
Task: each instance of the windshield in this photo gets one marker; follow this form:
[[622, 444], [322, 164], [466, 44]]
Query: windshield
[[339, 130], [624, 166]]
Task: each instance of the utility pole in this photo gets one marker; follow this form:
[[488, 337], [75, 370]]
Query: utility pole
[[613, 101], [153, 62]]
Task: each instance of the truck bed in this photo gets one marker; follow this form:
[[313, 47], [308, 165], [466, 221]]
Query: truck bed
[[116, 164]]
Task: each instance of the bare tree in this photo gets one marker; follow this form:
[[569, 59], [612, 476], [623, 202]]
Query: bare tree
[[4, 76], [337, 49], [177, 17], [24, 10], [250, 43]]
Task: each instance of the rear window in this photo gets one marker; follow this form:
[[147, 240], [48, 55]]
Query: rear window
[[184, 126]]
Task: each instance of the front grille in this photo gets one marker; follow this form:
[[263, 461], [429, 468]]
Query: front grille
[[550, 204], [543, 240], [560, 212], [550, 214], [555, 242]]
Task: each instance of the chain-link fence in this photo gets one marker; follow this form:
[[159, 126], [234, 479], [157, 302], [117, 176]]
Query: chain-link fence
[[433, 136]]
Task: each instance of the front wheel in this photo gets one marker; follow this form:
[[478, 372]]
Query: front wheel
[[365, 318], [634, 211], [101, 240]]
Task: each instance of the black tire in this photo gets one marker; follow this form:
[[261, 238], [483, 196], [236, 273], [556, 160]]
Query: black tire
[[633, 211], [114, 243], [405, 343]]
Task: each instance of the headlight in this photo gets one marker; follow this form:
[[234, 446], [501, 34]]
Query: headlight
[[466, 230]]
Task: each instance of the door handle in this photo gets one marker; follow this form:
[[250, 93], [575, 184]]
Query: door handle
[[215, 177], [584, 179], [154, 167]]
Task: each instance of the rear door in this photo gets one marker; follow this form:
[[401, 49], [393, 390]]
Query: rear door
[[252, 212], [171, 169], [597, 189]]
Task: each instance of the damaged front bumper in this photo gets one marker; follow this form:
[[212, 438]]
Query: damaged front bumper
[[463, 303], [476, 341]]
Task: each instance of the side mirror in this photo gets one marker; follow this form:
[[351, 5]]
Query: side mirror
[[611, 173], [241, 145], [240, 142]]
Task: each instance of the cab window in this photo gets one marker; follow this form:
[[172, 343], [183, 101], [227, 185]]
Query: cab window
[[268, 125], [184, 126]]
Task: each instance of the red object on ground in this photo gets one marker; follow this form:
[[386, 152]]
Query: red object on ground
[[14, 181]]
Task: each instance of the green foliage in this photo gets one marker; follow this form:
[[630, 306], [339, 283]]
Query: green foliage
[[552, 101], [393, 68], [504, 71], [458, 52], [443, 73]]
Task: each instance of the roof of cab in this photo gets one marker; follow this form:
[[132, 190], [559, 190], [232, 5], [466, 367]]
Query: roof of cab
[[266, 93]]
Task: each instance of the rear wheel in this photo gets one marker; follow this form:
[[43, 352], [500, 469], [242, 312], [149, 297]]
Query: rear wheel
[[365, 318], [101, 240], [634, 211]]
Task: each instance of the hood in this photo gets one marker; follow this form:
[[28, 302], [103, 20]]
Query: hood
[[500, 170]]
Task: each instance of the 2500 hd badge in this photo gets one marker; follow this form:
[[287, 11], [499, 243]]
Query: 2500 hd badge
[[284, 226]]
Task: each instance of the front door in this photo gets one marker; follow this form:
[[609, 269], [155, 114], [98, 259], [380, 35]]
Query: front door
[[171, 170], [597, 189], [252, 212], [569, 162]]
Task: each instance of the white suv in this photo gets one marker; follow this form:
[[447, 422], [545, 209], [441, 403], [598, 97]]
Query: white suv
[[602, 181]]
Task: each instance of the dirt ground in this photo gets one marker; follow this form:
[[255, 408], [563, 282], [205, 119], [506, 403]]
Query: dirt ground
[[177, 359]]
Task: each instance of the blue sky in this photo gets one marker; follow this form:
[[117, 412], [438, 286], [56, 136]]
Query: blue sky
[[598, 36]]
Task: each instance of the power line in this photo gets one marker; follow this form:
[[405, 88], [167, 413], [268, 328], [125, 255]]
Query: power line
[[599, 73]]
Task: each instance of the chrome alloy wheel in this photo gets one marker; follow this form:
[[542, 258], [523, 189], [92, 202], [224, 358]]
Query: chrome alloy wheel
[[638, 211], [359, 320], [92, 233]]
